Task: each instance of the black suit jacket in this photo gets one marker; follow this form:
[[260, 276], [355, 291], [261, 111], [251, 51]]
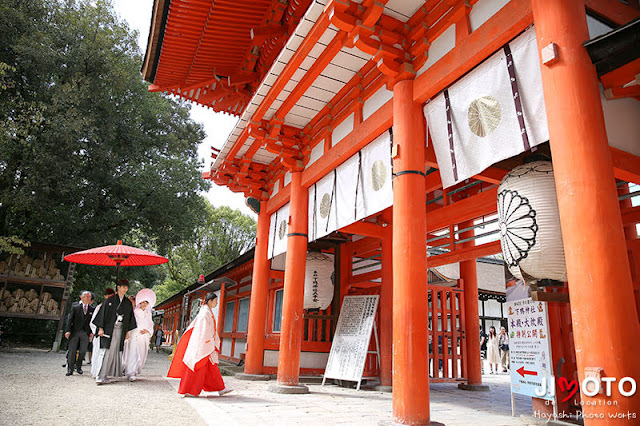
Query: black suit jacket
[[78, 321], [106, 319]]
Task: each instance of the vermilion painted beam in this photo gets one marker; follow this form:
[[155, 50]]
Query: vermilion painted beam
[[631, 215], [613, 11], [470, 208], [625, 166], [512, 19], [364, 228], [366, 277], [622, 92], [469, 253]]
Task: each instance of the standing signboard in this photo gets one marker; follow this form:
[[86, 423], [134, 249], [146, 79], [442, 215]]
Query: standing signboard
[[351, 340], [529, 343]]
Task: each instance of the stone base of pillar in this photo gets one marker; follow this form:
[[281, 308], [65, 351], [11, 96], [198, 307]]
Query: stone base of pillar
[[297, 389], [392, 423], [473, 388], [253, 377], [381, 388]]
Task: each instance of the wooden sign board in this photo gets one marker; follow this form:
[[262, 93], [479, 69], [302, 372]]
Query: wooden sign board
[[351, 340]]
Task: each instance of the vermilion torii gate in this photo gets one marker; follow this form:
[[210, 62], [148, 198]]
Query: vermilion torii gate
[[315, 83]]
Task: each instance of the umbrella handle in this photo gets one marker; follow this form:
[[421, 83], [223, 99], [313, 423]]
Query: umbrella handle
[[117, 272]]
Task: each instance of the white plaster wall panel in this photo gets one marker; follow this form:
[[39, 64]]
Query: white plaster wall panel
[[319, 94], [405, 8], [349, 61], [287, 178], [342, 130], [311, 103], [278, 230], [328, 83], [263, 156], [316, 360], [225, 347], [276, 188], [297, 76], [294, 42], [327, 36], [305, 26], [491, 276], [451, 271], [339, 73], [442, 45], [376, 101], [278, 262], [286, 55], [483, 10], [295, 120], [316, 152], [303, 111], [290, 86], [307, 63], [317, 50], [240, 348], [596, 28], [283, 95], [270, 79], [622, 121]]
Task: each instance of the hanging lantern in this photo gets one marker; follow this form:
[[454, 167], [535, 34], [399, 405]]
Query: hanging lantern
[[318, 284], [530, 232]]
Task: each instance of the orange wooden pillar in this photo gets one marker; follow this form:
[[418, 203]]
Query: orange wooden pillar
[[258, 304], [410, 308], [605, 324], [386, 308], [469, 275], [293, 299]]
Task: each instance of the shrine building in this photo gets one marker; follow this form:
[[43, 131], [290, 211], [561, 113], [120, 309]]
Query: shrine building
[[384, 141]]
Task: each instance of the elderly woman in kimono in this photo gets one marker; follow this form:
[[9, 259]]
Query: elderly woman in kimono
[[136, 347], [196, 359]]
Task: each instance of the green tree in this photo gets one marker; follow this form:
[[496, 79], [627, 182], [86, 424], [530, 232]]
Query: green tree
[[224, 235], [87, 154]]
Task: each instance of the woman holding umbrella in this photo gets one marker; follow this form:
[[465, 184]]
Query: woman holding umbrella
[[136, 347], [196, 359]]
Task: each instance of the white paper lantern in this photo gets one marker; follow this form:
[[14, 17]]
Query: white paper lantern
[[530, 232], [318, 286]]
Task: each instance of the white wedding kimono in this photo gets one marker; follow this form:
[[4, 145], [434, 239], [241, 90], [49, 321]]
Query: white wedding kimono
[[136, 347]]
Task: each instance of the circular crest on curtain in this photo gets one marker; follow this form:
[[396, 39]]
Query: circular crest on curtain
[[318, 286], [529, 223]]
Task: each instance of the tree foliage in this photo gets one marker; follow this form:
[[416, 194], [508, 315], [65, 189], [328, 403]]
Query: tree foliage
[[224, 235], [87, 154]]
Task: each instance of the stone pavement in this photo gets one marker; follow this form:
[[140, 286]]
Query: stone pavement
[[252, 404], [34, 390]]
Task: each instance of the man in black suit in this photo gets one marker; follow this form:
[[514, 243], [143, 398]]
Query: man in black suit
[[79, 332]]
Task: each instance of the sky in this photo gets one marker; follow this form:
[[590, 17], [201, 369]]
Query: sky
[[217, 126]]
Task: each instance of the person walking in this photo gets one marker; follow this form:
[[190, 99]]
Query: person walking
[[78, 332], [503, 344], [98, 353], [137, 345], [196, 359], [158, 337], [114, 321], [493, 353], [483, 349]]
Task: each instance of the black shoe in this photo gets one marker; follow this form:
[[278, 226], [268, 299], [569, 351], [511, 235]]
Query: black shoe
[[69, 372], [79, 370]]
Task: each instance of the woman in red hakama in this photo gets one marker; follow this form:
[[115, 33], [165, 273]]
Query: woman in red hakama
[[196, 359]]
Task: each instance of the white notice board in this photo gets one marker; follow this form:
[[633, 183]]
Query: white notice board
[[529, 343], [351, 339]]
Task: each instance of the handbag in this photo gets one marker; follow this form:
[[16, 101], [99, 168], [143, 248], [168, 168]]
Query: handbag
[[504, 347]]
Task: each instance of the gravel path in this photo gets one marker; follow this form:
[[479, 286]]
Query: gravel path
[[34, 390]]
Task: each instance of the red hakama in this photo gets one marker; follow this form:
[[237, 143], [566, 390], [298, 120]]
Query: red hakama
[[206, 376]]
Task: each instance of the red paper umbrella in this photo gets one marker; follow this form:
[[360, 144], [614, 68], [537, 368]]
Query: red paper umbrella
[[116, 255]]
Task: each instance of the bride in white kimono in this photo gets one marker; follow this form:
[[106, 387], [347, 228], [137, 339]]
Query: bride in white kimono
[[136, 347]]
